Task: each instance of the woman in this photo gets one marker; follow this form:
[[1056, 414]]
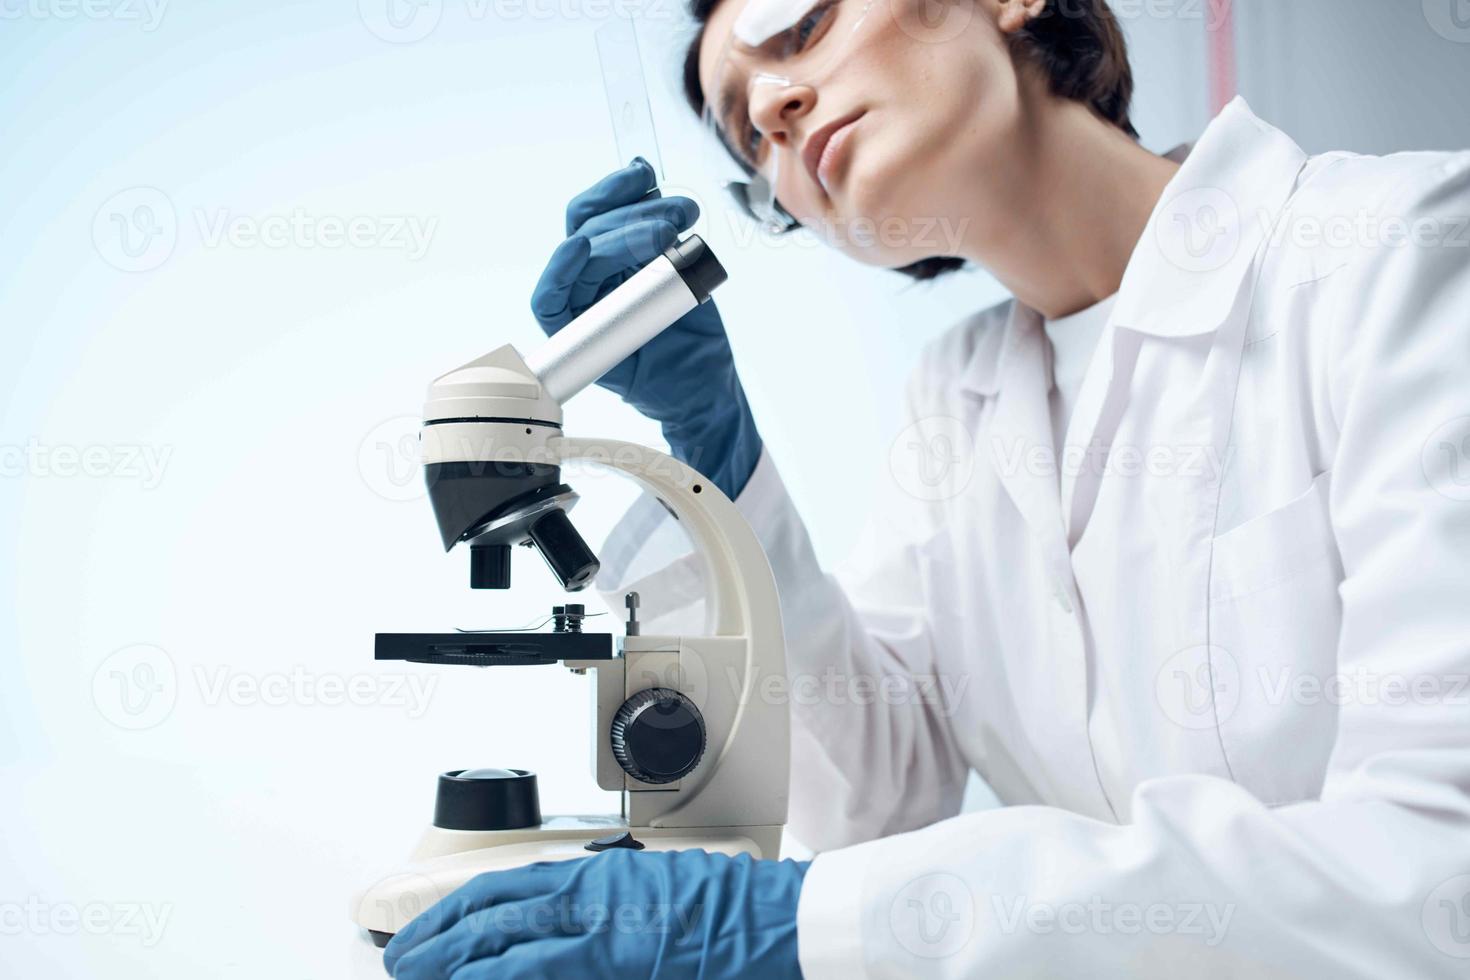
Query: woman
[[1180, 564]]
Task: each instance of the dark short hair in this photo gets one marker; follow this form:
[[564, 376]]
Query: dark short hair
[[1077, 44]]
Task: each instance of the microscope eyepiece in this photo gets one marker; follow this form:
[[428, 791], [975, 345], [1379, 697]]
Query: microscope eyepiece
[[697, 266]]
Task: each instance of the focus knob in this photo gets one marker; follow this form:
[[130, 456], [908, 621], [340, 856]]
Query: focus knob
[[658, 736]]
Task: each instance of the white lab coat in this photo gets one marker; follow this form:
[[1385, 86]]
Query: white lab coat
[[1232, 723]]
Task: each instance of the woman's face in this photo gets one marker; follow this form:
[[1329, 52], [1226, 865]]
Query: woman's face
[[884, 122]]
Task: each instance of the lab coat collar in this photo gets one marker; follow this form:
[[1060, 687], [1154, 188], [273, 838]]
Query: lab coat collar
[[984, 369], [1198, 246], [1202, 239]]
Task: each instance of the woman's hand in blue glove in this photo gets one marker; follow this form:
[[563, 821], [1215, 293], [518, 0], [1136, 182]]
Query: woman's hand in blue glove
[[685, 377], [620, 914]]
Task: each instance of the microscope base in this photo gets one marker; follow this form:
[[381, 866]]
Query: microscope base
[[447, 859]]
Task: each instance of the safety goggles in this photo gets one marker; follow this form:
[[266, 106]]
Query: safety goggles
[[774, 45], [750, 178]]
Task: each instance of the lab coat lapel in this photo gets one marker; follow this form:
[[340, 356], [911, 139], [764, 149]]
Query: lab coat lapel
[[1101, 402], [1021, 438]]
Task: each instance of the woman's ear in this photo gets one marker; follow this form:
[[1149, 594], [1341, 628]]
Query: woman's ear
[[1016, 14]]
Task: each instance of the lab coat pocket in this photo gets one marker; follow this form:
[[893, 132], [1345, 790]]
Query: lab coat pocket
[[1275, 615]]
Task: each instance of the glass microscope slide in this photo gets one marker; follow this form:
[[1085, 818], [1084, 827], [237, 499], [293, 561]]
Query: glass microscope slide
[[627, 93]]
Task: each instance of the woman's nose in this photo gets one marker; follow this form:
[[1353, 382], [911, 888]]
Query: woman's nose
[[776, 106]]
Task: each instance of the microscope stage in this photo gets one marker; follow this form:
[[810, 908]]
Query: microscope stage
[[492, 649]]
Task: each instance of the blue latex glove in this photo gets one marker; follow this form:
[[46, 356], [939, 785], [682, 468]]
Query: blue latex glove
[[685, 377], [620, 914]]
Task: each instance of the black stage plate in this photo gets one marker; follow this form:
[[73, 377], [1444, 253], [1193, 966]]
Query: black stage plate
[[492, 649]]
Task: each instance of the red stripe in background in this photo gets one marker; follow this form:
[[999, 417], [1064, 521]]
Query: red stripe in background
[[1220, 32]]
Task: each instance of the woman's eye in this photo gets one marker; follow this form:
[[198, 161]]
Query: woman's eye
[[809, 24]]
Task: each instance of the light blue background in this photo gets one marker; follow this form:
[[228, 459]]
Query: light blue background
[[277, 387]]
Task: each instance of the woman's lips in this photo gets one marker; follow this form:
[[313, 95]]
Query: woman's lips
[[823, 151]]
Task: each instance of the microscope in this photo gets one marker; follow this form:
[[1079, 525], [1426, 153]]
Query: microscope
[[700, 759]]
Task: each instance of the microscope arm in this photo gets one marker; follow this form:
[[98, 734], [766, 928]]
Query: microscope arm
[[741, 597], [741, 602]]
